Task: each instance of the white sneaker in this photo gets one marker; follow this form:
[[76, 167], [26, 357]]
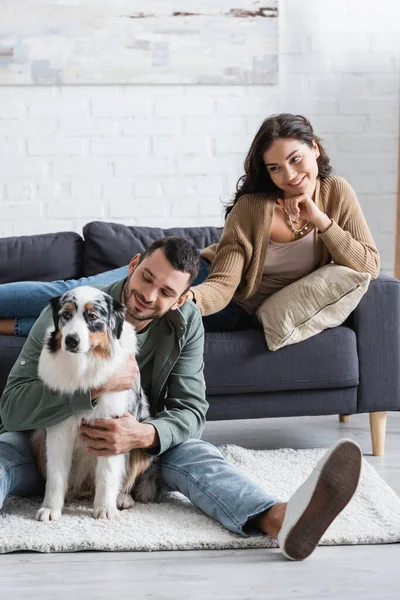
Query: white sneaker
[[319, 500]]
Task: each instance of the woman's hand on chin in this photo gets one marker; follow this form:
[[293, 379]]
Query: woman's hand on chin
[[303, 208]]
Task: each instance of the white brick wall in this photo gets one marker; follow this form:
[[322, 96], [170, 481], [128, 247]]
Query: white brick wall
[[168, 155]]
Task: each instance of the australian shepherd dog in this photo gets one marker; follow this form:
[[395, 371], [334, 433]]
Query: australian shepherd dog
[[85, 346]]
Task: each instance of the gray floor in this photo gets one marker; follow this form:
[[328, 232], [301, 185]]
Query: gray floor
[[346, 572]]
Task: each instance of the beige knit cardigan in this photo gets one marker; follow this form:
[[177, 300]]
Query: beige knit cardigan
[[237, 261]]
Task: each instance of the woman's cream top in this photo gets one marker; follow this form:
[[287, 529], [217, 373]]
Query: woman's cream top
[[284, 264]]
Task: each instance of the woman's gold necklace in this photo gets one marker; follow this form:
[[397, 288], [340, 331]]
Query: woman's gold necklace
[[297, 232]]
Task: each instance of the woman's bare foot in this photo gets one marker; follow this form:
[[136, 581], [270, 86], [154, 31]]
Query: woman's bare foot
[[7, 327]]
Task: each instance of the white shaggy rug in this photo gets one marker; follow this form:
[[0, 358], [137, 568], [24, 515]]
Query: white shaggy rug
[[372, 517]]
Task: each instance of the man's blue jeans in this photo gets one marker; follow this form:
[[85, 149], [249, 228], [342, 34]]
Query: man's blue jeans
[[195, 468]]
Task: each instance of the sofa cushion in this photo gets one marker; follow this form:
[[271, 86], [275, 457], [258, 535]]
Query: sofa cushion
[[289, 403], [111, 245], [240, 362], [43, 257]]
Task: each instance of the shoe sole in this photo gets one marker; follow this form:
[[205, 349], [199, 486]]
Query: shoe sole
[[335, 487]]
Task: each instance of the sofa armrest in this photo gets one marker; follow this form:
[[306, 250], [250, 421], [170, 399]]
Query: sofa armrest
[[376, 322]]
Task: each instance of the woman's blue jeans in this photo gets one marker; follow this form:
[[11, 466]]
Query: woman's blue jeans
[[24, 300]]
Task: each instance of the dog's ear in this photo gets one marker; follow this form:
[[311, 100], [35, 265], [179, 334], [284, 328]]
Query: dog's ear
[[55, 307], [53, 342], [117, 318]]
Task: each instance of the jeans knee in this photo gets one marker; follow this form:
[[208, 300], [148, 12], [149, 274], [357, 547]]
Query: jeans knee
[[191, 452]]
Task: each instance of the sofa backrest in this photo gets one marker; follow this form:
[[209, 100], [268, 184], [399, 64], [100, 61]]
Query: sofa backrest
[[66, 255], [111, 245], [43, 257]]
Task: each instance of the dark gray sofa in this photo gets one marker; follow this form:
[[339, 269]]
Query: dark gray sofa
[[350, 369]]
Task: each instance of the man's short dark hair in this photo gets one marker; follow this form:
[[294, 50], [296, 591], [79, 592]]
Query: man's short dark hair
[[181, 253]]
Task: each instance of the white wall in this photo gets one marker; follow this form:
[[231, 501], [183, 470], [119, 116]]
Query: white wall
[[168, 155]]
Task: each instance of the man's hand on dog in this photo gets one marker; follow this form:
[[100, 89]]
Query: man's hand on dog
[[108, 437], [122, 380]]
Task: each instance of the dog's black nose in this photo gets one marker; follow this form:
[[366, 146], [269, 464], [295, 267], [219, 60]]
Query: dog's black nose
[[71, 342]]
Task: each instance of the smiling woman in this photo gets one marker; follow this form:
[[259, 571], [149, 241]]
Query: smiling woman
[[288, 217]]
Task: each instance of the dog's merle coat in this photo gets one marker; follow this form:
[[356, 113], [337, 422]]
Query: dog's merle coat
[[87, 344]]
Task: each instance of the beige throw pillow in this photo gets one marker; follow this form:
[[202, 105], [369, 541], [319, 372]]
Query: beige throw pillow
[[323, 299]]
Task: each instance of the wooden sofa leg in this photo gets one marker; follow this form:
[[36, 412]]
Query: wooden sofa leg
[[377, 423], [344, 418]]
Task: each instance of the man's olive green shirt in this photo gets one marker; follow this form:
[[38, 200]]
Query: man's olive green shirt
[[173, 382]]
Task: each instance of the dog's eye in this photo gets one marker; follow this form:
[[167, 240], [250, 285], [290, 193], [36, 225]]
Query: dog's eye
[[65, 315], [92, 317]]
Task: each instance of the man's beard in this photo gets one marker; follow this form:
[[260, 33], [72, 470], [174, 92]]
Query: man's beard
[[127, 294]]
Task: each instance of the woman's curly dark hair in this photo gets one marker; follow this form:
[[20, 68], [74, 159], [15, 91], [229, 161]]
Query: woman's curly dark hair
[[256, 178]]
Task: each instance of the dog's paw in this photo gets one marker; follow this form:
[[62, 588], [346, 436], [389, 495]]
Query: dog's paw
[[46, 514], [106, 512], [125, 501]]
